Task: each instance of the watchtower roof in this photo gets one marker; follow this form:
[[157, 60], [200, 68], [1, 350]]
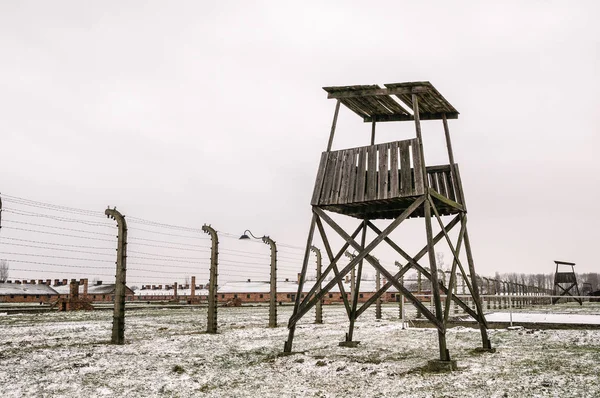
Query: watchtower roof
[[394, 102]]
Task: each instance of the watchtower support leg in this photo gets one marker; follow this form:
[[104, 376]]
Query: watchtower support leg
[[288, 344], [475, 291], [355, 291], [435, 290]]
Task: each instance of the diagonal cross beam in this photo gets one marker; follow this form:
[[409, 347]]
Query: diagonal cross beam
[[332, 265], [405, 214], [364, 253], [426, 273], [406, 268], [334, 260]]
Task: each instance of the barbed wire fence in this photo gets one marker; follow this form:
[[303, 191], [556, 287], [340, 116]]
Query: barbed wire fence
[[50, 244]]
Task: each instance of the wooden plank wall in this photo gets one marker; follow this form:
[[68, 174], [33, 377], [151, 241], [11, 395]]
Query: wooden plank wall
[[374, 172], [440, 180]]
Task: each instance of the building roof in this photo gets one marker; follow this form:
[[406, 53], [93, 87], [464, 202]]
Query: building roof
[[108, 288], [394, 102], [169, 292], [291, 287], [25, 289]]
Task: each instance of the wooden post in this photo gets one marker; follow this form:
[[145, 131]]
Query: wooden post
[[319, 305], [373, 132], [400, 295], [487, 292], [211, 326], [378, 302], [356, 286], [287, 345], [273, 282], [435, 289], [118, 329], [484, 337], [331, 134], [451, 160], [419, 291], [455, 287], [415, 102], [401, 300]]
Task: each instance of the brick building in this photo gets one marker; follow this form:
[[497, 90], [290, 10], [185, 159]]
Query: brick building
[[27, 292], [96, 292], [45, 291]]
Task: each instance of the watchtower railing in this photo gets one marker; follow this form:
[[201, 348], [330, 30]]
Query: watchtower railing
[[378, 172]]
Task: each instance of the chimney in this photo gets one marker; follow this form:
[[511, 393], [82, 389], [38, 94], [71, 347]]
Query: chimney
[[159, 287], [25, 281], [74, 289], [17, 282], [56, 283], [85, 287], [193, 292], [175, 289], [9, 281], [64, 282], [98, 283], [40, 281], [49, 282], [33, 282]]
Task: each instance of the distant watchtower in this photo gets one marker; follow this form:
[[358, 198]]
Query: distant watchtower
[[389, 181], [565, 280]]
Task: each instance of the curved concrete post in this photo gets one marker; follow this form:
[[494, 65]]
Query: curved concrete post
[[273, 282], [212, 283], [118, 329], [319, 305]]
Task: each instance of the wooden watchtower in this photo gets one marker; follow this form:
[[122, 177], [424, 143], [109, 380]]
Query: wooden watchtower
[[565, 281], [389, 181]]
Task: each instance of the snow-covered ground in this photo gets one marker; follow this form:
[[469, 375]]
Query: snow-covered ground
[[168, 355], [529, 317]]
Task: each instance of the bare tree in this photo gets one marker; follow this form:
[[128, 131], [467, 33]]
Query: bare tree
[[3, 270], [439, 260]]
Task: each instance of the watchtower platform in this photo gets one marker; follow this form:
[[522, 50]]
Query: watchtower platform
[[381, 181]]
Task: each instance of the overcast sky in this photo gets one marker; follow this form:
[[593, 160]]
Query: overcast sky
[[212, 112]]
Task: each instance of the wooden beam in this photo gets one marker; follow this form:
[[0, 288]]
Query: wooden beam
[[332, 265], [305, 307], [288, 343], [423, 251], [402, 118], [335, 117], [376, 92], [451, 282], [445, 200], [444, 354], [364, 254], [338, 276], [308, 304]]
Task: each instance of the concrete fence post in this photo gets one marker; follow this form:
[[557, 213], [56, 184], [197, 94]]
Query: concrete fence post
[[118, 329], [211, 326], [273, 282], [319, 305]]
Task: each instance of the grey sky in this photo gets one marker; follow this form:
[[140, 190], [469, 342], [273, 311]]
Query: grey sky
[[194, 112]]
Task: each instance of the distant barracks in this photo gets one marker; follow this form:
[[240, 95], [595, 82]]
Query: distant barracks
[[52, 291]]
